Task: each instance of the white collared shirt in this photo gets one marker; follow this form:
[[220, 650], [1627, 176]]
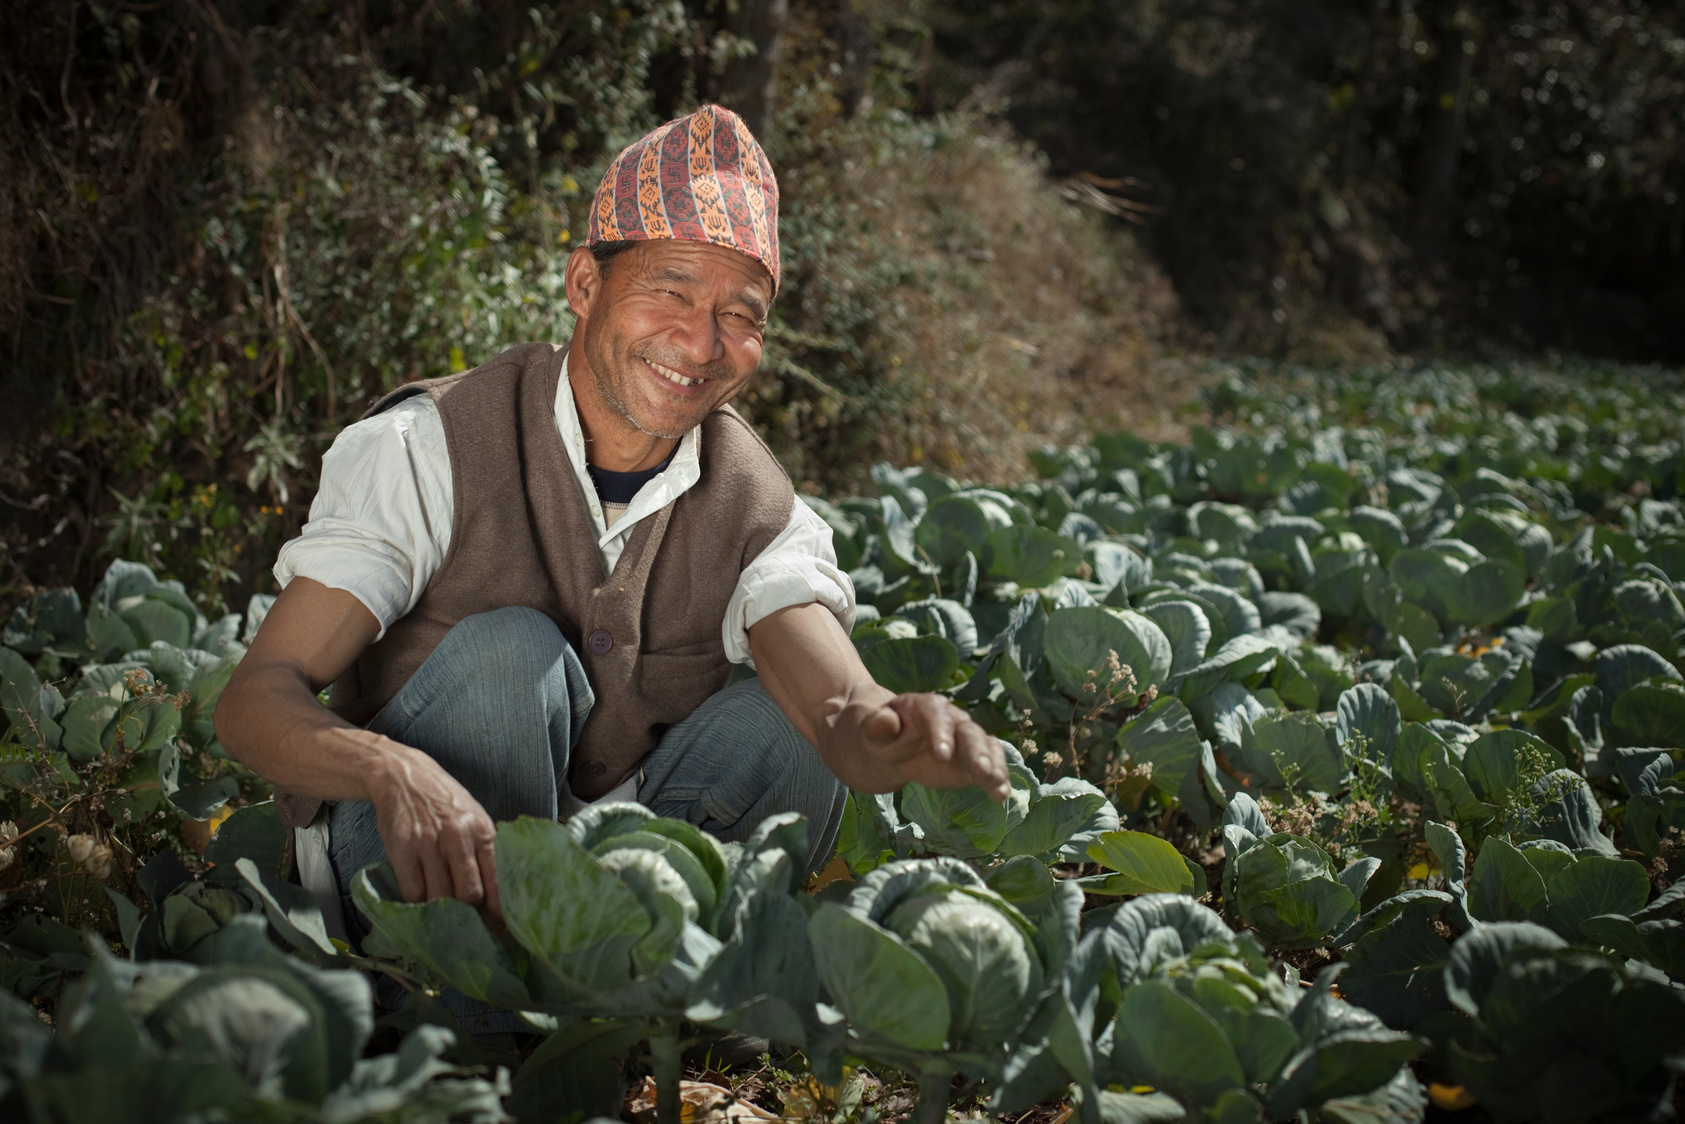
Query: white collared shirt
[[380, 525]]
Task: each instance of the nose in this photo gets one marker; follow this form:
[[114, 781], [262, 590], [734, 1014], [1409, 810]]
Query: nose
[[697, 336]]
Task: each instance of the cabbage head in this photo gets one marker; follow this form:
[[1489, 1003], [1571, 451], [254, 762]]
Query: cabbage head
[[923, 956]]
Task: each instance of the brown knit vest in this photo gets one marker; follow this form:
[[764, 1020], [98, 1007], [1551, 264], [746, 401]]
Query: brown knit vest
[[648, 634]]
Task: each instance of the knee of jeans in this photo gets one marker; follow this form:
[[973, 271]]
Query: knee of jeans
[[513, 631], [795, 758]]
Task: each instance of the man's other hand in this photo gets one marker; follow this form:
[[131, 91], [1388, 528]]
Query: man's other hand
[[437, 836]]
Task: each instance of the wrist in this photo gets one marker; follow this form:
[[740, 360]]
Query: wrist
[[381, 765], [864, 759], [842, 718], [858, 701]]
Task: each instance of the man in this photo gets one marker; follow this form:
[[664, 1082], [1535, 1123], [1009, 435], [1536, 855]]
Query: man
[[526, 583]]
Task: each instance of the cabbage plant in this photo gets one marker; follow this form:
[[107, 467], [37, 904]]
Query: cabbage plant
[[1655, 811], [626, 918], [1562, 1032], [1544, 882], [935, 970], [1165, 995], [148, 671], [252, 1034], [1654, 935], [1284, 887], [1055, 822]]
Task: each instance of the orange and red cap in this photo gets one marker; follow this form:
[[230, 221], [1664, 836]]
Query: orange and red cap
[[700, 178]]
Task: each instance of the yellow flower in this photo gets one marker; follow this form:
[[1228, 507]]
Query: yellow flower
[[1451, 1098], [218, 816]]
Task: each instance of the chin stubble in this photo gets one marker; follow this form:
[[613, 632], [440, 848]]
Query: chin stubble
[[625, 411]]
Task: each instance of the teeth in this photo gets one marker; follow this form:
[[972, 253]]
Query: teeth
[[671, 375]]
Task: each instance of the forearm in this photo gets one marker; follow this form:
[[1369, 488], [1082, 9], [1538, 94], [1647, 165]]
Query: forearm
[[872, 739], [437, 836], [810, 669], [270, 721]]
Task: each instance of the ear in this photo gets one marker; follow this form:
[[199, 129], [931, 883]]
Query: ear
[[584, 281]]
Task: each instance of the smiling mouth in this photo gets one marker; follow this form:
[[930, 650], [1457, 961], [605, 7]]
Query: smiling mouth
[[673, 376]]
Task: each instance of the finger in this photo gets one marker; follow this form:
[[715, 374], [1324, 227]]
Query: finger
[[882, 725], [438, 874], [938, 715], [938, 721], [984, 760], [412, 880], [406, 864], [466, 884], [488, 877]]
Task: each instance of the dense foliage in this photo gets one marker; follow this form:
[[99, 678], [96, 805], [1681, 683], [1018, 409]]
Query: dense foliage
[[253, 1034], [104, 773]]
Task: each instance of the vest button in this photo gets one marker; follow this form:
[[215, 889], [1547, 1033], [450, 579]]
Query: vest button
[[600, 642], [594, 769]]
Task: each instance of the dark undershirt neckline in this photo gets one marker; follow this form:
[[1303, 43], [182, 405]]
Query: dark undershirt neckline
[[621, 487]]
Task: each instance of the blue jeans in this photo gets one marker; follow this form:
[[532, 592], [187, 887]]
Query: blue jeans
[[500, 704]]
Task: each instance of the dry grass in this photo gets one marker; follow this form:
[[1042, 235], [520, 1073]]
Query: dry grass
[[1021, 318], [994, 314], [1061, 332]]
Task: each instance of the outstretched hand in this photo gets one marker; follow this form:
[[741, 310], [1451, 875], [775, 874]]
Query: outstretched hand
[[872, 739], [930, 741]]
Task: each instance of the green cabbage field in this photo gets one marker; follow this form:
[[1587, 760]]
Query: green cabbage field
[[1347, 781]]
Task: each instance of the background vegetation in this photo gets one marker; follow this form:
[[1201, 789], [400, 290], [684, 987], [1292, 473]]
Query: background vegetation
[[1497, 175], [227, 225]]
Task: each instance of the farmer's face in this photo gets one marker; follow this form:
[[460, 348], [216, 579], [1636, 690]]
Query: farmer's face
[[671, 329]]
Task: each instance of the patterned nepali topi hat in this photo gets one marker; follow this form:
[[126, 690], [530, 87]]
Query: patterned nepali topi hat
[[701, 178]]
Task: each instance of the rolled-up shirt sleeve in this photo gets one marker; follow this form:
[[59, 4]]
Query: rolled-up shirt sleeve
[[799, 567], [381, 522]]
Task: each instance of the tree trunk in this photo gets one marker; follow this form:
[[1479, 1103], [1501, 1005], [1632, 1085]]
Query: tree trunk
[[1453, 29], [1364, 85], [749, 85], [857, 51]]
